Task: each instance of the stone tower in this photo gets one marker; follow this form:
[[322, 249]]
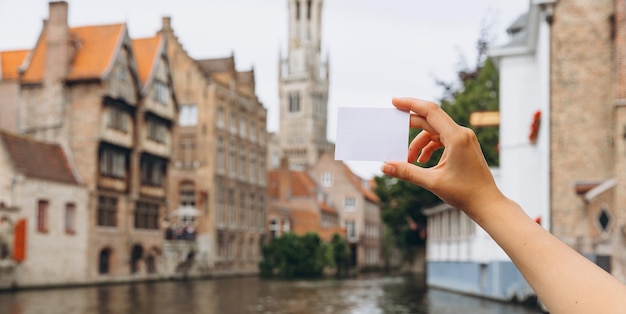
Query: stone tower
[[303, 86]]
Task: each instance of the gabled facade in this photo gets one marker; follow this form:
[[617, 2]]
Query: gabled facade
[[82, 87], [358, 207], [220, 158], [44, 216], [296, 203]]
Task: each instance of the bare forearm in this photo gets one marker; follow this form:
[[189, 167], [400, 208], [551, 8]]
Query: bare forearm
[[563, 279]]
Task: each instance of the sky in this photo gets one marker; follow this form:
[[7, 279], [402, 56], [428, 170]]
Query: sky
[[377, 49]]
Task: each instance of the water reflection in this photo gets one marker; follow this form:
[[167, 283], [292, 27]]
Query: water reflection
[[252, 295]]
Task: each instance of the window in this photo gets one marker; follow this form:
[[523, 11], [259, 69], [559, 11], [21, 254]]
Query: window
[[242, 162], [274, 229], [231, 159], [112, 163], [349, 203], [161, 92], [147, 216], [187, 151], [297, 10], [188, 115], [152, 171], [107, 211], [42, 216], [251, 212], [187, 194], [252, 167], [157, 131], [242, 127], [231, 207], [220, 118], [262, 172], [220, 155], [294, 102], [220, 206], [233, 123], [253, 131], [327, 179], [242, 209], [308, 9], [604, 220], [70, 215], [117, 119], [350, 229]]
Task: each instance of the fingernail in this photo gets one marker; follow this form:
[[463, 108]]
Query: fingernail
[[388, 169]]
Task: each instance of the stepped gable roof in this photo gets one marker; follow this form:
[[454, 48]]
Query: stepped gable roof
[[217, 65], [358, 183], [96, 48], [10, 63], [147, 52], [36, 159]]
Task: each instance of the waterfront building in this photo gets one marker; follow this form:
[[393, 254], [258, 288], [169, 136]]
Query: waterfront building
[[219, 159], [43, 211], [303, 87], [296, 203], [358, 207], [112, 110]]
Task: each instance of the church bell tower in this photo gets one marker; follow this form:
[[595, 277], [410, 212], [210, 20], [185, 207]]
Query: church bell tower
[[303, 86]]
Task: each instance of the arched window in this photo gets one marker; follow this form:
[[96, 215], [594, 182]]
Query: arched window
[[104, 261]]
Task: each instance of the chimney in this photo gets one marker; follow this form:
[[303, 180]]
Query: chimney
[[59, 44], [166, 23], [284, 180]]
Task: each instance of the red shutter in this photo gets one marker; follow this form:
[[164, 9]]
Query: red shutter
[[19, 241]]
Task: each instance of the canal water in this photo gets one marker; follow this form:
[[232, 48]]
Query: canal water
[[365, 295]]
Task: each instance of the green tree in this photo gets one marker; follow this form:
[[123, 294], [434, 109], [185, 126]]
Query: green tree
[[340, 254], [293, 256], [402, 203]]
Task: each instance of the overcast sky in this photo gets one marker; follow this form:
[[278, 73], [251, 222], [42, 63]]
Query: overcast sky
[[378, 49]]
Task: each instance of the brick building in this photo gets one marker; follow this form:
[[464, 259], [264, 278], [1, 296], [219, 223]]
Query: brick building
[[296, 203], [113, 111], [220, 158], [358, 207]]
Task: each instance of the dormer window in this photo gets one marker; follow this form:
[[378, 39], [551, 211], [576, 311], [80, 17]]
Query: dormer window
[[117, 119], [161, 92]]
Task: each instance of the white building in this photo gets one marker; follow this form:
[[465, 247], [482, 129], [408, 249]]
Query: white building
[[43, 216], [460, 255]]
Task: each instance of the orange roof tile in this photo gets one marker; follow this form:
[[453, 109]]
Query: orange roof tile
[[10, 62], [327, 208], [96, 45], [36, 159], [146, 52]]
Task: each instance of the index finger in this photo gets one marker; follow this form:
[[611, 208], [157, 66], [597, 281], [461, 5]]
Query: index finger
[[440, 121]]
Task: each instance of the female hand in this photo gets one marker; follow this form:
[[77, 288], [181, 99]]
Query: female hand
[[462, 177]]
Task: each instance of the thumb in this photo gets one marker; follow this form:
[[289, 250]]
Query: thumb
[[408, 172]]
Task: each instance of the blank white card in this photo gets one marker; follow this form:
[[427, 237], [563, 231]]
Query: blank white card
[[372, 134]]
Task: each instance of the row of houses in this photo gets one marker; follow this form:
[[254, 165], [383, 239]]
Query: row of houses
[[561, 146], [126, 159]]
